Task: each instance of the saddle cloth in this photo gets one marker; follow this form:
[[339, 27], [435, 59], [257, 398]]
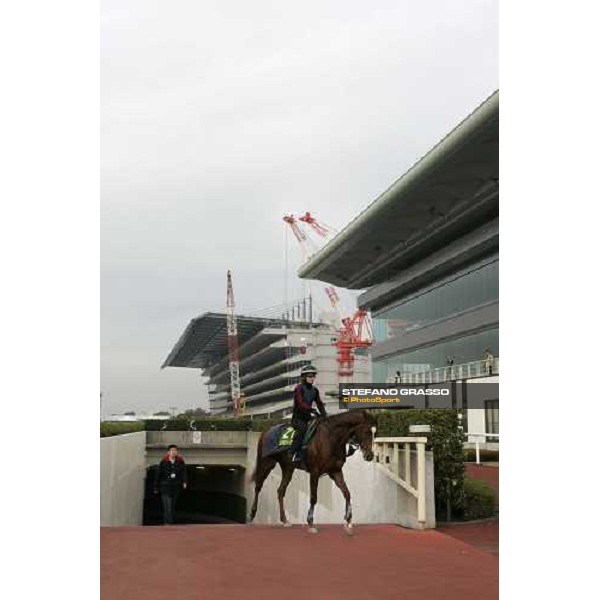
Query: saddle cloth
[[280, 437]]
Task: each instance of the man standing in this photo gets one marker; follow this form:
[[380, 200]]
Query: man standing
[[449, 369], [488, 359], [171, 477]]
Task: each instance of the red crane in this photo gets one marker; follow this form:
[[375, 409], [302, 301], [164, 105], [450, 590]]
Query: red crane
[[314, 224], [233, 347], [356, 331], [291, 220], [332, 295]]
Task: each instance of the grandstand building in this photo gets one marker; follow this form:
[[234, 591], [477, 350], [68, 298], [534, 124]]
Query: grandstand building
[[426, 251], [272, 352]]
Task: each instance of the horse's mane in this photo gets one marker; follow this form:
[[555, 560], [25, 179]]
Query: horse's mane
[[350, 416]]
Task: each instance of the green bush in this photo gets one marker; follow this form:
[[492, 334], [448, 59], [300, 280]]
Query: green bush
[[484, 455], [212, 424], [446, 442], [108, 428], [479, 500], [264, 424]]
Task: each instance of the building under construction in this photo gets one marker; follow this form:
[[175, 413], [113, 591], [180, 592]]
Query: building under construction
[[271, 353]]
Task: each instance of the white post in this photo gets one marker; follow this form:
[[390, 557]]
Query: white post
[[421, 499], [477, 452], [407, 474]]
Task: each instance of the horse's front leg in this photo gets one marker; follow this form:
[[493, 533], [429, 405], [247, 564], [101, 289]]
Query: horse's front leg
[[263, 468], [314, 484], [338, 477], [286, 476]]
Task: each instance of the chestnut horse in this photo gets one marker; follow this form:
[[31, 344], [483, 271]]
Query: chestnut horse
[[325, 454]]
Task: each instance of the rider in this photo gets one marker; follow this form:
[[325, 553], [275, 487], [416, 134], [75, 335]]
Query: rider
[[305, 394]]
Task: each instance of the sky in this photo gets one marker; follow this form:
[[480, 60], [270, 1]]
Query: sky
[[218, 118]]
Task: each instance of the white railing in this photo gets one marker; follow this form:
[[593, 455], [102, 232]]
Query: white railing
[[471, 370], [393, 456], [478, 441]]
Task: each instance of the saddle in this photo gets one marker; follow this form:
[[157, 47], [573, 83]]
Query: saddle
[[280, 438]]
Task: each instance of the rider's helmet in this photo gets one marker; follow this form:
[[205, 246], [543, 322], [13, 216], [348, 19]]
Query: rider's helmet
[[307, 370]]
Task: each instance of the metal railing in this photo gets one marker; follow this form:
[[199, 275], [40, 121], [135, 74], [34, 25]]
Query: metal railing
[[477, 442], [471, 370], [393, 455]]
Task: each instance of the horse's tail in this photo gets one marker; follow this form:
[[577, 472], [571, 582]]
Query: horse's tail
[[258, 456]]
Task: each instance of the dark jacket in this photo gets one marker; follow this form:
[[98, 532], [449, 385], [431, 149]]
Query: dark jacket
[[305, 395], [169, 473]]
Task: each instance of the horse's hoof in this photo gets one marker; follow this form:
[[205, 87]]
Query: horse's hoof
[[348, 529], [286, 524], [313, 530]]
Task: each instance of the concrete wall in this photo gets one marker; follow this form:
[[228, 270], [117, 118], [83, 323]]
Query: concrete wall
[[375, 497], [122, 472], [199, 447]]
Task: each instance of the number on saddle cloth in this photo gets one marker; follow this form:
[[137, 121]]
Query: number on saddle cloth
[[280, 438], [288, 433], [287, 437], [277, 439]]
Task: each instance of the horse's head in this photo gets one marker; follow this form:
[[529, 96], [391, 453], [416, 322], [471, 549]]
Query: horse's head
[[365, 433]]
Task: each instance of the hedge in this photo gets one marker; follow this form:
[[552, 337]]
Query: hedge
[[212, 424], [479, 500], [446, 442], [108, 428], [484, 455]]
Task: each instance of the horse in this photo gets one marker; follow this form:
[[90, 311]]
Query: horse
[[325, 454]]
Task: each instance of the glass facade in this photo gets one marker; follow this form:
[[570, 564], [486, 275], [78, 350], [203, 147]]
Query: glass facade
[[475, 287], [492, 419], [462, 350]]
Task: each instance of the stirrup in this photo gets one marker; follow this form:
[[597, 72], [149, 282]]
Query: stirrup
[[297, 457]]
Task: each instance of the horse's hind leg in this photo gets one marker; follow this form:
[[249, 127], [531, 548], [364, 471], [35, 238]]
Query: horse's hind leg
[[263, 468], [286, 476], [314, 484], [338, 477]]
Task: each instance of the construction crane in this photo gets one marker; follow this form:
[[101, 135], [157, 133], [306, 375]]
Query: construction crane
[[291, 220], [355, 331], [233, 347], [317, 227]]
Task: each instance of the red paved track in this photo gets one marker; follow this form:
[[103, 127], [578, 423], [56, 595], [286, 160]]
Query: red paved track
[[480, 534], [490, 475], [484, 473], [246, 562]]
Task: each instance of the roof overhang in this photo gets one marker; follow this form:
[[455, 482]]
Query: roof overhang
[[204, 341], [450, 191]]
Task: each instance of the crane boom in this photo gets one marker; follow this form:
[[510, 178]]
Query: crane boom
[[233, 347], [356, 331]]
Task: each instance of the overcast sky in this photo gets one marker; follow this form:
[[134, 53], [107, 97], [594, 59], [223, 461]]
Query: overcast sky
[[219, 117]]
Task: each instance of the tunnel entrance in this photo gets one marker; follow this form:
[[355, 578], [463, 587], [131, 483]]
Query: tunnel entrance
[[215, 494]]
